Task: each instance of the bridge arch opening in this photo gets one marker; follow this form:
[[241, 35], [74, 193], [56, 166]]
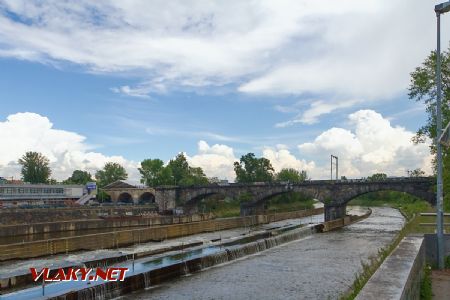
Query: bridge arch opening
[[208, 202], [288, 201], [147, 198], [390, 198], [125, 198]]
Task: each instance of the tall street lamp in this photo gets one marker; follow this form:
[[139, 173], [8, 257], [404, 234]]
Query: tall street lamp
[[439, 9]]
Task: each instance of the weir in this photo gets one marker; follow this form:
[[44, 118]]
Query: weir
[[111, 240]]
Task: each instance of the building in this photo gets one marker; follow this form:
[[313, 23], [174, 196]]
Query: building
[[16, 195]]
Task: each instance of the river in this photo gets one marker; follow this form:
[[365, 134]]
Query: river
[[321, 266]]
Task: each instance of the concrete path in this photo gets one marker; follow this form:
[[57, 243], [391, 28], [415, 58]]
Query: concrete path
[[440, 281]]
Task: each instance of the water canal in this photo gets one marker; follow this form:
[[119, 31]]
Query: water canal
[[321, 266], [293, 265]]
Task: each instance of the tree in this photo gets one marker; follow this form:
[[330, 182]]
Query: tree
[[292, 175], [252, 169], [415, 173], [179, 167], [35, 167], [377, 177], [196, 176], [79, 177], [422, 88], [111, 172], [177, 172], [151, 172]]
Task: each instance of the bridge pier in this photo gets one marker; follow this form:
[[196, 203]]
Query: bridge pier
[[333, 212], [190, 209]]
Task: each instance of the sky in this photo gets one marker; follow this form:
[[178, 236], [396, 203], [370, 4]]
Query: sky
[[87, 82]]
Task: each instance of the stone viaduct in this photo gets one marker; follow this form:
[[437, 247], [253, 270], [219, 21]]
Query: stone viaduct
[[334, 194]]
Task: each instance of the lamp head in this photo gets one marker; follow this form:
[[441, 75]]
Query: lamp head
[[442, 8]]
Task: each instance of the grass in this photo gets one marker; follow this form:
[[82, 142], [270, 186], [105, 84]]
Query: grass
[[425, 286]]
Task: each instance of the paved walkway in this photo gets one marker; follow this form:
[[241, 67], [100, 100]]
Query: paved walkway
[[440, 281]]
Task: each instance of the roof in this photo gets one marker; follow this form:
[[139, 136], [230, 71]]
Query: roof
[[118, 185]]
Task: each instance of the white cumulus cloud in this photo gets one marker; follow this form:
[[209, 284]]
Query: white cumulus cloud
[[281, 158], [216, 160], [67, 151], [373, 145]]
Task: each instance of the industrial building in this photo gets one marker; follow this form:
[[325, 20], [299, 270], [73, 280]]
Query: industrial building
[[17, 195]]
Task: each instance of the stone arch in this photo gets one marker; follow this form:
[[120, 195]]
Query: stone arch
[[146, 198], [267, 197], [125, 198], [198, 198], [425, 196]]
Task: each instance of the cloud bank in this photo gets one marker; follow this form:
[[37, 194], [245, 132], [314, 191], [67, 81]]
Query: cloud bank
[[371, 145], [344, 48], [67, 151]]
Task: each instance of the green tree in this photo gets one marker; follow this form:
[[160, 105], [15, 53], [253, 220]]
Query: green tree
[[292, 175], [151, 172], [79, 177], [415, 173], [111, 172], [166, 177], [196, 176], [177, 172], [252, 169], [422, 88], [35, 167], [179, 167], [377, 177]]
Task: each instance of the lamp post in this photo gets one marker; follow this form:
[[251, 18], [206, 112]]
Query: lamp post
[[439, 9]]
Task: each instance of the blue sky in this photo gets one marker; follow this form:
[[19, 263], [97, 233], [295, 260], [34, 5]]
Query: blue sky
[[107, 81]]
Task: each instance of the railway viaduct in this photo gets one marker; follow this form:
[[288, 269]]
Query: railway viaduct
[[333, 194]]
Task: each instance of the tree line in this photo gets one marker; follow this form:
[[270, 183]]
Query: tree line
[[36, 169]]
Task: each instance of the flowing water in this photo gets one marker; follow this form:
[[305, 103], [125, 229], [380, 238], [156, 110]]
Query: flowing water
[[321, 266]]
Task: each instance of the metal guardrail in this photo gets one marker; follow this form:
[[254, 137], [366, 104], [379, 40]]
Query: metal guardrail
[[433, 214]]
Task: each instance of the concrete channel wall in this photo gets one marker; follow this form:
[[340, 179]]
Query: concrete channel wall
[[17, 216], [399, 276], [77, 225], [121, 238]]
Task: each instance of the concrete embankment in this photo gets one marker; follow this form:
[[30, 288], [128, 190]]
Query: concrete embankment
[[399, 276], [80, 225], [128, 237], [17, 216]]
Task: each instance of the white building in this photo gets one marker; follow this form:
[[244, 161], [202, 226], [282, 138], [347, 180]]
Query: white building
[[12, 195]]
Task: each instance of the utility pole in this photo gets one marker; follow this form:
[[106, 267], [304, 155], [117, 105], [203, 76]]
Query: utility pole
[[336, 163]]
